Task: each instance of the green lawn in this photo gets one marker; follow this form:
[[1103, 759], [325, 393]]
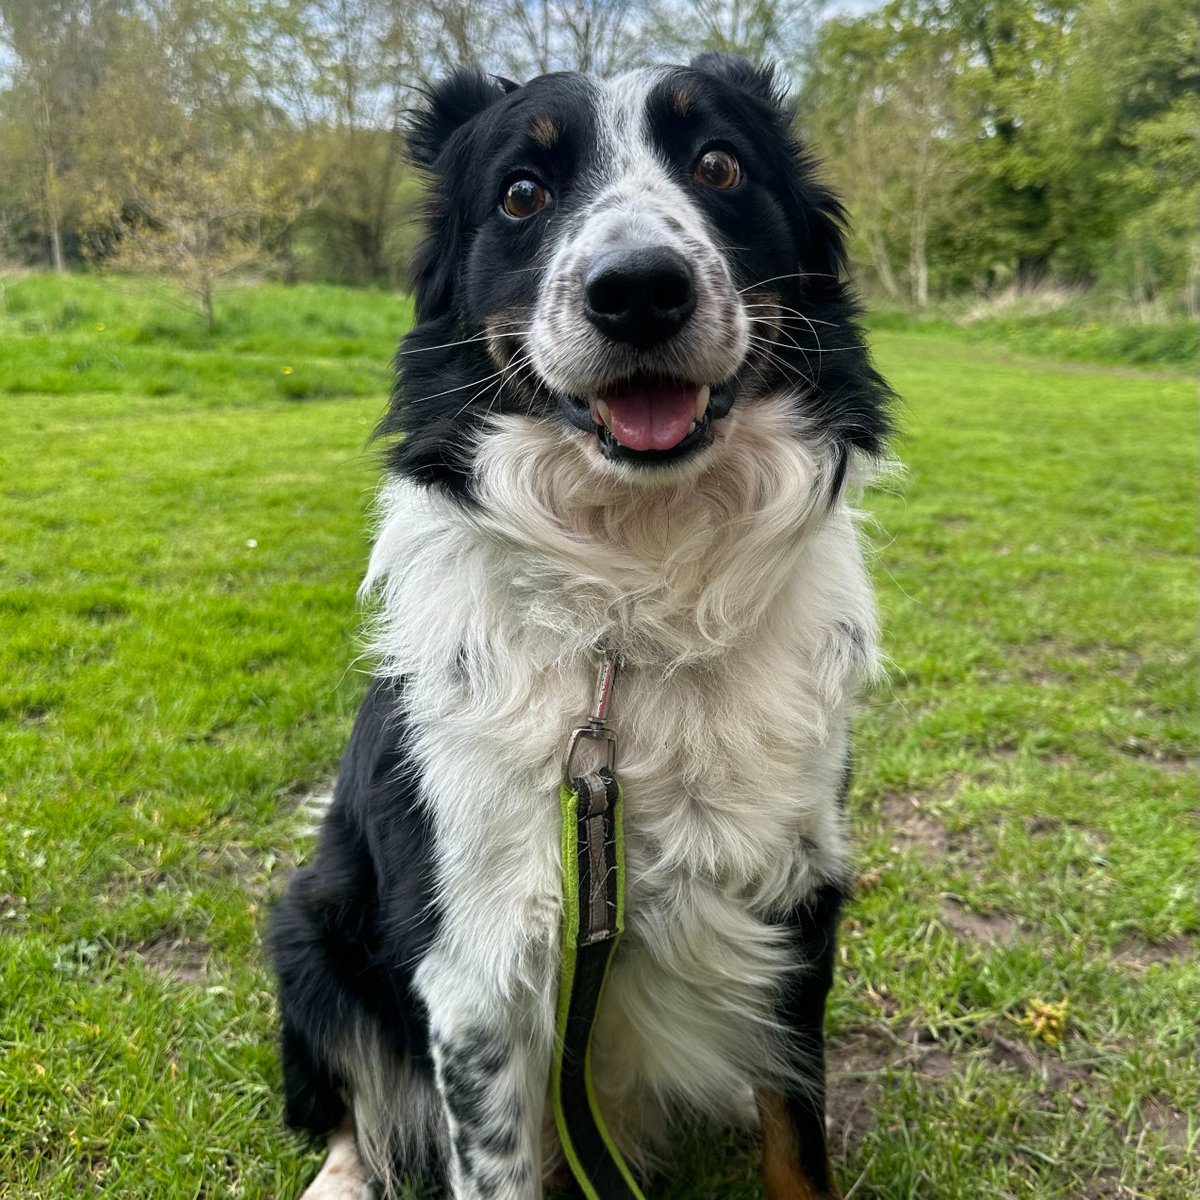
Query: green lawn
[[182, 534]]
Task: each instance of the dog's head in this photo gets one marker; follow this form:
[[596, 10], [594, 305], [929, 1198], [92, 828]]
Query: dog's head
[[632, 261]]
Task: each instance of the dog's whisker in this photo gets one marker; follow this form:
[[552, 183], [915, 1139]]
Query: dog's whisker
[[783, 308], [791, 275], [461, 387], [499, 384]]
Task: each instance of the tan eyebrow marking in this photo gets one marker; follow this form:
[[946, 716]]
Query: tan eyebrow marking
[[544, 131], [682, 101]]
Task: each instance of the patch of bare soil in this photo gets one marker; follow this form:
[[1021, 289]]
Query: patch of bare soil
[[1058, 1075], [1162, 1117], [858, 1066], [1138, 953], [174, 956], [995, 928], [909, 824], [856, 1069]]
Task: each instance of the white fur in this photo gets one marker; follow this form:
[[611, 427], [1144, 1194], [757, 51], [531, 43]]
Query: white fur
[[397, 1113], [342, 1177]]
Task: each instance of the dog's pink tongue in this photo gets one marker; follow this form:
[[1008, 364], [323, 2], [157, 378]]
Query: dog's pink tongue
[[652, 416]]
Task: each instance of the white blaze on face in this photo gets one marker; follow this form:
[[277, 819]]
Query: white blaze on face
[[635, 198]]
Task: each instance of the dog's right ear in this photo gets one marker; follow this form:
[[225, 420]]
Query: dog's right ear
[[448, 106]]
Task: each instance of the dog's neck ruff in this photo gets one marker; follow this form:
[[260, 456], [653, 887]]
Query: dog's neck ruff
[[672, 573], [740, 590]]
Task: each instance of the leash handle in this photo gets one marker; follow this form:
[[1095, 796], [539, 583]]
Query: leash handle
[[593, 858]]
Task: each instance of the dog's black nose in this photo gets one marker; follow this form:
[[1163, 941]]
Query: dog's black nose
[[642, 295]]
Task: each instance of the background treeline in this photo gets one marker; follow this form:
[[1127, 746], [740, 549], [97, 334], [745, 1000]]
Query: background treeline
[[982, 145]]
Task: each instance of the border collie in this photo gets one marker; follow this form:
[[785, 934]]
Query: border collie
[[626, 421]]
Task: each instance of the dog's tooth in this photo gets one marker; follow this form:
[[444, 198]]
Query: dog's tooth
[[702, 401], [603, 413]]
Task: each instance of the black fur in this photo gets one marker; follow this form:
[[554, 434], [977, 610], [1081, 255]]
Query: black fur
[[347, 936], [813, 933]]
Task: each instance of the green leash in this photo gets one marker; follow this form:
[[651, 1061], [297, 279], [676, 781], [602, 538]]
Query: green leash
[[593, 860]]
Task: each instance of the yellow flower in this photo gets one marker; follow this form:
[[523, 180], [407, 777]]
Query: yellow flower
[[100, 327], [1045, 1021], [286, 370]]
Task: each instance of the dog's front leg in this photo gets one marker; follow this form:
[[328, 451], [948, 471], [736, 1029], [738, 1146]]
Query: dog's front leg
[[795, 1158], [491, 1075], [489, 981]]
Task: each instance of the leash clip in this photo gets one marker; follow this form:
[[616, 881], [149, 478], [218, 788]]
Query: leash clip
[[596, 730]]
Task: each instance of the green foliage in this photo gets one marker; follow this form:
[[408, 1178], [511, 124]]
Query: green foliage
[[177, 634], [980, 144], [1056, 140]]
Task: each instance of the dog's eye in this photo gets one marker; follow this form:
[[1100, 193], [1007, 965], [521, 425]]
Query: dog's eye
[[718, 169], [524, 197]]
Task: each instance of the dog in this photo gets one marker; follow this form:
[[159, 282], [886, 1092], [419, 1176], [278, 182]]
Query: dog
[[628, 420]]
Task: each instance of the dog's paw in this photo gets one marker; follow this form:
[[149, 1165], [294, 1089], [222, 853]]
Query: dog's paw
[[339, 1185], [343, 1176]]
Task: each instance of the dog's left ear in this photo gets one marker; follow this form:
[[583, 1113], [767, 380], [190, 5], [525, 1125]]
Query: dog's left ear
[[449, 105], [758, 79]]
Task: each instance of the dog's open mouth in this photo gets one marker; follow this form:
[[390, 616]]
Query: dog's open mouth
[[654, 419]]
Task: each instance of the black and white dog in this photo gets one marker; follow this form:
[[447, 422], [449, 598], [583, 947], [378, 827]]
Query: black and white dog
[[626, 420]]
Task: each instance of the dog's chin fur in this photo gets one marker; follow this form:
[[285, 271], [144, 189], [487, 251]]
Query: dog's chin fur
[[672, 567], [419, 955]]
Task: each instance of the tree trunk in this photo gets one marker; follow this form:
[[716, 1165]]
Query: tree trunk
[[883, 266], [919, 261], [50, 183], [56, 250]]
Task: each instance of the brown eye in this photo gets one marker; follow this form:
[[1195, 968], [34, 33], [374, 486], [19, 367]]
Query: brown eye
[[718, 169], [524, 197]]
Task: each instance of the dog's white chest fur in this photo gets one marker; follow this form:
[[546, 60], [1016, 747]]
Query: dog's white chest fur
[[740, 605]]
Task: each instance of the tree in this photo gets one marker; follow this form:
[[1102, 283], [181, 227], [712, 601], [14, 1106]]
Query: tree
[[882, 104], [57, 50], [523, 38], [779, 31], [192, 174], [571, 35], [363, 68], [1122, 122], [199, 219]]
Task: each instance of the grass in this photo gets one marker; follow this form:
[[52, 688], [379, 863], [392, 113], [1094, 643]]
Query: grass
[[1071, 332], [181, 545]]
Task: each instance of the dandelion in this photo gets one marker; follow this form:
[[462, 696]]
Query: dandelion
[[285, 370], [1044, 1020]]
